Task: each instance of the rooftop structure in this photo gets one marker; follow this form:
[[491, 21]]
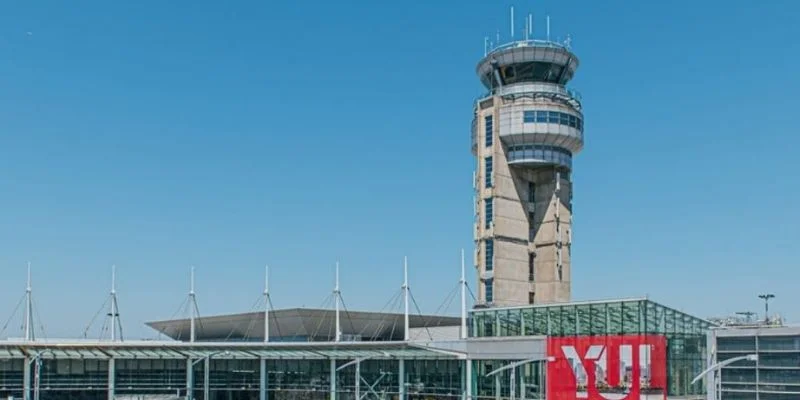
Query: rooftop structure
[[301, 324], [525, 131], [526, 348], [672, 346], [768, 365]]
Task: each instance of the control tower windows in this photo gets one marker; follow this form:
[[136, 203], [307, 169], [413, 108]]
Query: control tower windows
[[488, 167], [531, 267], [552, 117], [489, 129], [489, 211], [489, 289], [531, 192], [489, 255]]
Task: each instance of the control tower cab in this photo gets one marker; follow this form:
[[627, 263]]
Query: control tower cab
[[525, 132]]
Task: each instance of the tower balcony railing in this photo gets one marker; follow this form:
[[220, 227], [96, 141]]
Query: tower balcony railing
[[569, 94], [565, 45]]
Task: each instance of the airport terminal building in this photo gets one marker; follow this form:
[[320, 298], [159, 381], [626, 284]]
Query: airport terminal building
[[524, 339], [560, 351]]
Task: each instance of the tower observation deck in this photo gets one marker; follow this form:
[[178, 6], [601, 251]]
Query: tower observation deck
[[525, 132]]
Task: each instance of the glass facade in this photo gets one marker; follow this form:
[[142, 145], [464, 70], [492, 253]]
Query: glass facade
[[552, 117], [539, 153], [685, 335], [776, 373], [11, 378], [302, 374]]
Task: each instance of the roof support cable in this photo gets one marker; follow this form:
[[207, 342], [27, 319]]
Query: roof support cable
[[13, 314], [420, 313]]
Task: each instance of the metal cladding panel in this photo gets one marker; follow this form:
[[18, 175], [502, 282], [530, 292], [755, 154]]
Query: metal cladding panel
[[343, 354], [217, 354], [288, 354], [145, 354], [384, 354], [420, 353]]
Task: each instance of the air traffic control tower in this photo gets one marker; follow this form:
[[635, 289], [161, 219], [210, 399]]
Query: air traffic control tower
[[525, 132]]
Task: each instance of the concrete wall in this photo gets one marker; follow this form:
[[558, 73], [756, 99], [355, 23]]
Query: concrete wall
[[512, 222]]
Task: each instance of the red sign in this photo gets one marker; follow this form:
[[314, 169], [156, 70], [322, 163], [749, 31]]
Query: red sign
[[628, 367]]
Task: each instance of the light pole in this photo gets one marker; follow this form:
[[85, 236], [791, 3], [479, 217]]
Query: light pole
[[207, 362], [37, 365], [717, 369], [357, 363], [513, 368], [766, 297]]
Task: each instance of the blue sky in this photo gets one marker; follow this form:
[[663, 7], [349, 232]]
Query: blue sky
[[157, 135]]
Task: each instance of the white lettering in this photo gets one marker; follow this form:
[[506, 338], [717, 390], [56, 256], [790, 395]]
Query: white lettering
[[599, 356]]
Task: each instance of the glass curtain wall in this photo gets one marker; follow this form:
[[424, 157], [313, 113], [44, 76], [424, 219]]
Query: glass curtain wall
[[434, 379], [11, 377], [298, 379], [685, 334], [156, 377], [72, 379], [530, 380]]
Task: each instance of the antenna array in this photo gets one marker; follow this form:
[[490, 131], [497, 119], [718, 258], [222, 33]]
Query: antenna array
[[528, 33]]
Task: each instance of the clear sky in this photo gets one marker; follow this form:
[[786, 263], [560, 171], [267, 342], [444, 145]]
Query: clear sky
[[155, 135]]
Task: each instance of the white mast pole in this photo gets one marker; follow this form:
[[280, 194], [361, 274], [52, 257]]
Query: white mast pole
[[548, 28], [405, 296], [266, 303], [28, 307], [113, 303], [530, 25], [191, 306], [512, 23], [463, 298], [337, 294]]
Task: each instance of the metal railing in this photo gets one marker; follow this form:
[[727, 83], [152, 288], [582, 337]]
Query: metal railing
[[529, 43], [572, 94]]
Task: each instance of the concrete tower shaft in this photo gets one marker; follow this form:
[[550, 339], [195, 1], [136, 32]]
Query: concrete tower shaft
[[524, 134]]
